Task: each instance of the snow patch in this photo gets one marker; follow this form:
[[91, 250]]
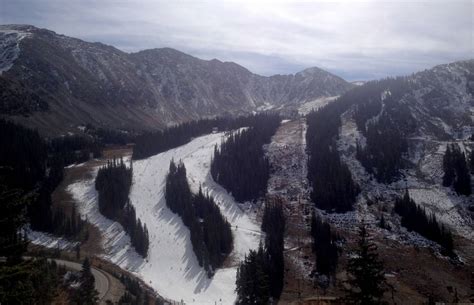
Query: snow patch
[[49, 241], [307, 107], [10, 47]]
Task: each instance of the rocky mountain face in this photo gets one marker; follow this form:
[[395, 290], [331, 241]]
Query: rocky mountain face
[[442, 100], [55, 83], [403, 126], [435, 104]]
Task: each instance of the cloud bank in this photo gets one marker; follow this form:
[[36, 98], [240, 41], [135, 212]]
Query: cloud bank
[[354, 39]]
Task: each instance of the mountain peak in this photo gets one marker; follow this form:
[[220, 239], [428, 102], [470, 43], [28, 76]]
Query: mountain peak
[[312, 71]]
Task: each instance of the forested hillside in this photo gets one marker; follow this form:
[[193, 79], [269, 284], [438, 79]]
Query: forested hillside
[[113, 184], [260, 276], [211, 236], [333, 187], [239, 163], [152, 143], [414, 217], [32, 166]]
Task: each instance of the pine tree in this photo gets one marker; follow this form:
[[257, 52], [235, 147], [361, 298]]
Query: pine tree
[[86, 294], [448, 168], [456, 170], [366, 273], [324, 246], [273, 224], [211, 236], [382, 223], [252, 281], [414, 218]]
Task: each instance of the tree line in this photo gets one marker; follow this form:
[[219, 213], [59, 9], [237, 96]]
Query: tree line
[[273, 224], [333, 188], [456, 170], [385, 146], [260, 275], [211, 236], [155, 142], [113, 183], [414, 218], [324, 246], [33, 165], [240, 165], [385, 123], [74, 149]]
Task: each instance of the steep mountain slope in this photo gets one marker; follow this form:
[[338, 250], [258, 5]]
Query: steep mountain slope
[[442, 100], [55, 83], [426, 111]]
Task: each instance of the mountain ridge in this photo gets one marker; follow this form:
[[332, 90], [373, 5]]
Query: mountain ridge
[[79, 82]]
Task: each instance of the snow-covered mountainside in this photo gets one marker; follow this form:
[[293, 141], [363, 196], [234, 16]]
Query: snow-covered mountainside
[[78, 82], [434, 109], [171, 266], [443, 101]]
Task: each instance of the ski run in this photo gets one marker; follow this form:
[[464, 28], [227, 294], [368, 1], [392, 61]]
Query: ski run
[[171, 267]]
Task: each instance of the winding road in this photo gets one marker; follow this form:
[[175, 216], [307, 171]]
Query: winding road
[[102, 282]]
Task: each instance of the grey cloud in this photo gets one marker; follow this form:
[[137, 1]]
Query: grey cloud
[[354, 39]]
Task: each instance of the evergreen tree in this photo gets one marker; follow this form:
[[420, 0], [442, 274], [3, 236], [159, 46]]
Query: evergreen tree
[[211, 236], [273, 224], [385, 145], [333, 188], [252, 281], [385, 123], [414, 218], [152, 143], [456, 171], [382, 223], [86, 294], [240, 165], [324, 246], [113, 183], [366, 273]]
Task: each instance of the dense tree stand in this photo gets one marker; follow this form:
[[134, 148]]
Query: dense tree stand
[[324, 246], [260, 275], [414, 218], [211, 236], [333, 187], [113, 184], [240, 165]]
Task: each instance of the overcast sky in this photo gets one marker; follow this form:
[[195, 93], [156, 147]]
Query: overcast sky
[[356, 40]]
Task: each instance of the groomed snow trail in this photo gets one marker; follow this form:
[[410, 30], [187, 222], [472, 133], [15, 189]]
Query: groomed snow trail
[[171, 267]]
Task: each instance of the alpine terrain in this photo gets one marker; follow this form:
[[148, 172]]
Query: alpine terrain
[[156, 177]]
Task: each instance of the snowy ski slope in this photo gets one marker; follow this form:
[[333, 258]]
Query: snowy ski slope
[[171, 267]]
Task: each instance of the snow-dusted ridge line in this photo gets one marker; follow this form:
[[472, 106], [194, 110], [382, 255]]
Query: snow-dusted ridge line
[[171, 267], [10, 47]]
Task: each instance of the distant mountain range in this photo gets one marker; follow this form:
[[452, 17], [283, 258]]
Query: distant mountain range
[[56, 83]]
